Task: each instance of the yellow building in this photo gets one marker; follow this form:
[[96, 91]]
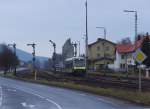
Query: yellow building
[[100, 54]]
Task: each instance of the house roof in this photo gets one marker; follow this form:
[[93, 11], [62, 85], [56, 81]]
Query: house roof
[[128, 48], [100, 39]]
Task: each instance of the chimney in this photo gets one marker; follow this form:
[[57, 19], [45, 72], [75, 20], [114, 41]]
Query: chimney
[[147, 34], [139, 37]]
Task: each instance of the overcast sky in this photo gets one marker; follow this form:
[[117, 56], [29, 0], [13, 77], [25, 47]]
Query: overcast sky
[[27, 21]]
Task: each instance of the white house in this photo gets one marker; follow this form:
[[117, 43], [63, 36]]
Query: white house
[[125, 56]]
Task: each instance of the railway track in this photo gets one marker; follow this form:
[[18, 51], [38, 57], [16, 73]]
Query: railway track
[[94, 80]]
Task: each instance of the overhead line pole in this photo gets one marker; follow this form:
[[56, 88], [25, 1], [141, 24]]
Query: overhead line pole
[[136, 18], [136, 29], [86, 40]]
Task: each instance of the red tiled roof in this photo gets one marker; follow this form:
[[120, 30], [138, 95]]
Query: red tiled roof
[[128, 48]]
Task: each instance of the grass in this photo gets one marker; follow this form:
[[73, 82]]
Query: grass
[[142, 98]]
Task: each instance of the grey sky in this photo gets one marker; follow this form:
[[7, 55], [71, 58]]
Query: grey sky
[[25, 21]]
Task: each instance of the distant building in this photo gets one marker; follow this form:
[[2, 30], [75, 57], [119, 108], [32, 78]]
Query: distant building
[[48, 64], [124, 56], [101, 53], [58, 61], [67, 49]]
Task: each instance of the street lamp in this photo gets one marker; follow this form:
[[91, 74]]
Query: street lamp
[[14, 46], [104, 31], [54, 54], [136, 18], [135, 12]]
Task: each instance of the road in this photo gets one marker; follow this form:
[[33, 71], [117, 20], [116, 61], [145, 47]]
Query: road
[[16, 94]]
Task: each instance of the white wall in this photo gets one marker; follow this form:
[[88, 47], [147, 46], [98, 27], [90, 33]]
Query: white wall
[[118, 61], [116, 64]]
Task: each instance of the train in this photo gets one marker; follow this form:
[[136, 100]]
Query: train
[[75, 66]]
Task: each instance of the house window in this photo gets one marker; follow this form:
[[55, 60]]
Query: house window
[[107, 48], [98, 55], [122, 66], [122, 57], [107, 55], [98, 48]]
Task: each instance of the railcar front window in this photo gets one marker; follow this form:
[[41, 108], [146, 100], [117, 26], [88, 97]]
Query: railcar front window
[[79, 63]]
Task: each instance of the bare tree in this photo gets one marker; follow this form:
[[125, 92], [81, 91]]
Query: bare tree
[[126, 40], [8, 59]]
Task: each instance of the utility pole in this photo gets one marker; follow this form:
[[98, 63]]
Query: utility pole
[[54, 54], [136, 18], [33, 59], [86, 40], [75, 48], [140, 79], [14, 46], [136, 28]]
